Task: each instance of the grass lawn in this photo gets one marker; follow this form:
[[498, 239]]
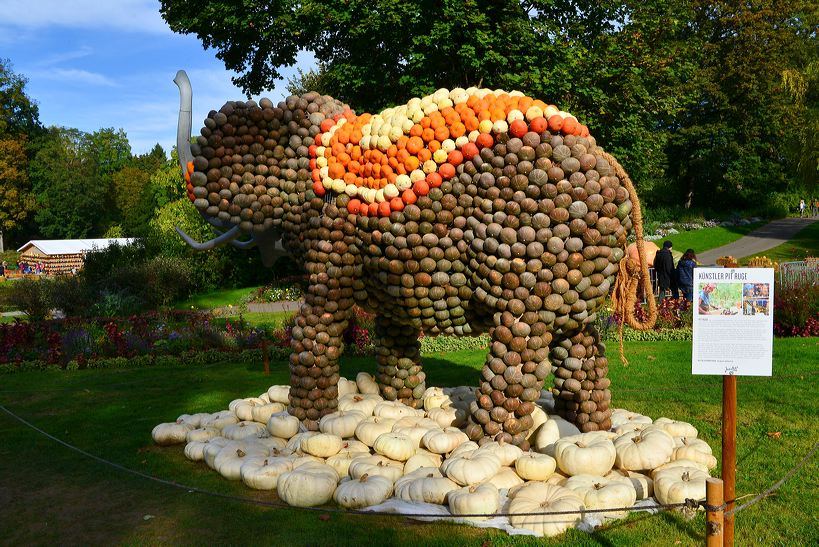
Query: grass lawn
[[215, 299], [709, 238], [803, 244], [261, 319], [50, 495]]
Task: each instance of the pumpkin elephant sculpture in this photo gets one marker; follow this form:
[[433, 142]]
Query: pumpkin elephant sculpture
[[464, 212]]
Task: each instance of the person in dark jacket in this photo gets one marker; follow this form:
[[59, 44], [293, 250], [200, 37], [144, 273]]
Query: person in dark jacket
[[685, 274], [664, 265]]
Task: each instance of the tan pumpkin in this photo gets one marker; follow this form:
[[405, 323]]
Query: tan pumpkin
[[366, 384], [643, 485], [244, 430], [507, 453], [262, 413], [195, 450], [620, 416], [471, 467], [693, 449], [539, 418], [415, 421], [676, 428], [365, 491], [307, 486], [673, 464], [474, 500], [228, 462], [283, 425], [444, 441], [395, 410], [279, 394], [434, 397], [341, 461], [602, 493], [171, 433], [677, 484], [506, 478], [550, 432], [427, 489], [448, 416], [244, 408], [194, 420], [294, 443], [264, 474], [346, 387], [463, 448], [631, 427], [322, 445], [587, 453], [304, 459], [202, 434], [364, 403], [368, 430], [394, 446], [220, 420], [341, 422], [538, 497], [645, 449], [533, 466], [415, 433], [376, 465], [272, 443], [422, 458]]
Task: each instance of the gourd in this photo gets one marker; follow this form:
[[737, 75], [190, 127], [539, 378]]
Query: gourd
[[363, 492], [587, 453], [642, 484], [322, 445], [262, 413], [677, 484], [283, 425], [603, 493], [279, 394], [471, 467], [538, 497], [694, 449], [643, 450], [364, 403], [244, 430], [507, 453], [341, 423], [533, 466], [506, 478], [475, 499], [676, 428], [376, 465], [443, 441], [171, 433], [307, 486], [394, 446], [429, 488], [202, 434], [264, 475], [366, 383], [368, 430]]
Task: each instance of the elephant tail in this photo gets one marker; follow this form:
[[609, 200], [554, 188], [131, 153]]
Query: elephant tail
[[633, 278]]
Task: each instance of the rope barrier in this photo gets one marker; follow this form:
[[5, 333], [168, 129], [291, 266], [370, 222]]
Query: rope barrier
[[777, 484], [689, 503]]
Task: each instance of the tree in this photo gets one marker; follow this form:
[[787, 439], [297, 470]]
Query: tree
[[133, 200], [19, 122]]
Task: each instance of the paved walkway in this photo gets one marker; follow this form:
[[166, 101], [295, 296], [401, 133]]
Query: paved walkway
[[758, 241]]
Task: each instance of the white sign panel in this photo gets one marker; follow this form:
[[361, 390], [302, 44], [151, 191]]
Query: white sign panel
[[733, 321]]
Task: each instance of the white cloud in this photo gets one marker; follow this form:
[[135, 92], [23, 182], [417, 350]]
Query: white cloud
[[75, 76], [127, 15], [61, 57]]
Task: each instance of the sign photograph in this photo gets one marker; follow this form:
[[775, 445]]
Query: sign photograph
[[733, 321]]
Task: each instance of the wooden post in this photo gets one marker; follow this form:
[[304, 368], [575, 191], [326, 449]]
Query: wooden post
[[265, 358], [729, 452], [713, 518]]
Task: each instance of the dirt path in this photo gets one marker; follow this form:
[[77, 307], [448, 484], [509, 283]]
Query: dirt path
[[758, 241]]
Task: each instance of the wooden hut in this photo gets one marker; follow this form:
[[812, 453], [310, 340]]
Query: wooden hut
[[64, 255]]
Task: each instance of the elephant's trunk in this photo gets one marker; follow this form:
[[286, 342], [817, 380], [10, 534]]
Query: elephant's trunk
[[183, 129]]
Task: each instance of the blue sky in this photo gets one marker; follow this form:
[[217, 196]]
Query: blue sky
[[111, 63]]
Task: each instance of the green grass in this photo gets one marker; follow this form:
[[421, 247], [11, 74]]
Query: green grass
[[263, 320], [50, 495], [215, 299], [709, 238], [803, 244]]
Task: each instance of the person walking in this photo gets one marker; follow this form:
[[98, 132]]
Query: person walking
[[814, 206], [685, 274], [664, 265], [801, 208]]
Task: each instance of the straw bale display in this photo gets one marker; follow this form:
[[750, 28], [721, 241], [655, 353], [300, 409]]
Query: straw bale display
[[463, 212]]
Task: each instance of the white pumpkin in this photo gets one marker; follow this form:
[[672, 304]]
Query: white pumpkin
[[587, 453], [643, 450], [694, 449], [341, 422], [294, 443], [463, 448], [366, 384], [195, 450], [353, 445], [643, 485], [558, 479], [370, 428], [538, 497], [264, 474], [444, 441], [539, 418], [422, 459], [341, 461], [630, 427], [273, 443], [533, 466], [171, 433], [283, 425], [471, 467], [346, 386], [415, 433], [279, 394], [475, 500], [262, 413], [307, 486], [395, 410], [554, 428], [448, 416], [676, 428], [244, 408], [244, 430], [677, 484], [212, 448], [603, 493], [434, 397], [415, 421], [620, 416], [220, 420], [507, 453], [364, 403], [506, 478], [363, 492], [394, 446], [429, 488], [264, 397], [202, 434], [376, 465], [322, 445], [305, 459], [194, 420], [229, 460], [673, 464]]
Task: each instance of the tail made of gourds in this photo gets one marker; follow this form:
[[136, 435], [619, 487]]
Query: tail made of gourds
[[633, 278]]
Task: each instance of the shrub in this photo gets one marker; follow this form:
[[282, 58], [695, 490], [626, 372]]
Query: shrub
[[32, 296], [796, 310]]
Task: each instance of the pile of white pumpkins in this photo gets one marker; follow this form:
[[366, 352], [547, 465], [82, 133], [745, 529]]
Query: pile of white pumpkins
[[372, 450]]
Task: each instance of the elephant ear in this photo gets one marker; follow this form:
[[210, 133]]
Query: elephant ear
[[251, 163]]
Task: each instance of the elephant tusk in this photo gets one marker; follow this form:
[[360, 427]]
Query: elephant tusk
[[226, 237], [249, 244], [183, 128]]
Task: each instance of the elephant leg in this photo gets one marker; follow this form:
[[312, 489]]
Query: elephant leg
[[581, 384], [317, 338], [511, 379], [398, 353]]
